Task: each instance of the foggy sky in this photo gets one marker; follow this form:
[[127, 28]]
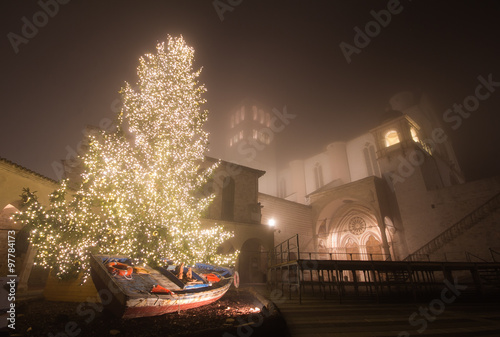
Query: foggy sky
[[282, 53]]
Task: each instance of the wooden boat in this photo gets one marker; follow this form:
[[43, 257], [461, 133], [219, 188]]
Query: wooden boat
[[151, 292]]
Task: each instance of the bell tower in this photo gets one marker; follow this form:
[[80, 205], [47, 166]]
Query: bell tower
[[412, 148]]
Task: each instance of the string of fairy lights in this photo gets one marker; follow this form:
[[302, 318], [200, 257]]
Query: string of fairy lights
[[138, 191]]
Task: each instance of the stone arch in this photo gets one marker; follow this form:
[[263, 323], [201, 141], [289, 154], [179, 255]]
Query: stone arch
[[24, 252], [5, 217], [342, 232], [252, 261]]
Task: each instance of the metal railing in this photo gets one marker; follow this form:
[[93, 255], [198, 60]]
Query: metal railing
[[418, 257], [469, 256], [459, 227], [284, 252], [493, 252], [344, 256]]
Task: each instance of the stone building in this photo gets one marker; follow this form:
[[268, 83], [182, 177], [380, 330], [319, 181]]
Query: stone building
[[250, 141], [386, 194]]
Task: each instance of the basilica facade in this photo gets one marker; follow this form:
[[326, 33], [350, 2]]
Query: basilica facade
[[394, 192]]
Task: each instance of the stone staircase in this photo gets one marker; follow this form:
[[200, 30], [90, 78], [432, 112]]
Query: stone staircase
[[457, 229]]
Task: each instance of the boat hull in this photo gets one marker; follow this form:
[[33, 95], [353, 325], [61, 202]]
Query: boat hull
[[126, 304]]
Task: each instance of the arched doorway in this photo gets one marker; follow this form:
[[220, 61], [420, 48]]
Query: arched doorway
[[352, 250], [252, 262], [354, 234], [374, 249], [28, 275]]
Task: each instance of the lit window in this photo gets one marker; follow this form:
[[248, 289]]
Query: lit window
[[254, 134], [241, 134], [254, 112], [268, 120], [391, 138], [231, 142], [242, 113], [261, 113], [414, 135]]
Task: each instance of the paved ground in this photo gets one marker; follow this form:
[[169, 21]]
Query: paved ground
[[317, 317]]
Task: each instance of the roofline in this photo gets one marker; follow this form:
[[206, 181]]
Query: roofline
[[259, 172], [26, 170]]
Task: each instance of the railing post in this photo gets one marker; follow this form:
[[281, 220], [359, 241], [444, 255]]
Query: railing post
[[287, 250], [298, 251]]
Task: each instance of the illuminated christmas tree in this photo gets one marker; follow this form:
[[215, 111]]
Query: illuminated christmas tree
[[139, 194]]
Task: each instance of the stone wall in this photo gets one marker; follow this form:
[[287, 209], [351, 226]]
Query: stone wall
[[291, 218], [477, 240], [246, 185], [426, 214]]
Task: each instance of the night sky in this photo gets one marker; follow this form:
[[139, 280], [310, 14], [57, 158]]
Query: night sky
[[281, 53]]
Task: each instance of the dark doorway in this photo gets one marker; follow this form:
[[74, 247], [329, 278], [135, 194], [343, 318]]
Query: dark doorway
[[252, 262]]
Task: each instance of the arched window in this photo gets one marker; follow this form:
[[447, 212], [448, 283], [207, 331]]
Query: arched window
[[391, 138], [371, 160], [318, 175]]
